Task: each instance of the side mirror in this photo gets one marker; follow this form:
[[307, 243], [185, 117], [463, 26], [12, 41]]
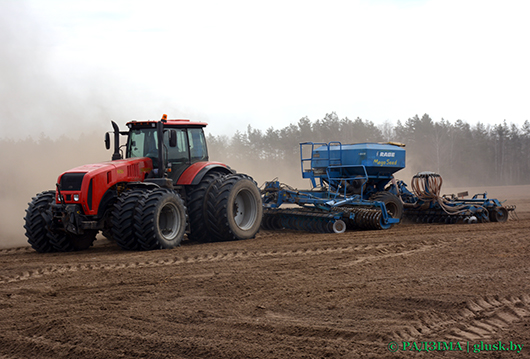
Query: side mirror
[[107, 141], [172, 138]]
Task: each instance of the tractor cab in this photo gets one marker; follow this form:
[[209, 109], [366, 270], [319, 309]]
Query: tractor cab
[[183, 144]]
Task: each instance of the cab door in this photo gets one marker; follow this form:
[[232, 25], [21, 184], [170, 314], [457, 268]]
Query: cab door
[[178, 156]]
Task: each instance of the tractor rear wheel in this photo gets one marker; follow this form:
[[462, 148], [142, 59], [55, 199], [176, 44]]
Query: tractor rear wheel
[[122, 219], [38, 218], [160, 219], [234, 208], [197, 207]]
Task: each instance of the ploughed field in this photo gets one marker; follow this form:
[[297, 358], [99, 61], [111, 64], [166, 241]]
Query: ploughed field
[[283, 294]]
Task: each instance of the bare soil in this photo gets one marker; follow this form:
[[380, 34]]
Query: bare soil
[[283, 294]]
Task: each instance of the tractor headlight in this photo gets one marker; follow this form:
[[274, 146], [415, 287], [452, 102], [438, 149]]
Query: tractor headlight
[[76, 197]]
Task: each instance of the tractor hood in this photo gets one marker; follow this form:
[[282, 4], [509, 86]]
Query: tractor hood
[[86, 185], [127, 170]]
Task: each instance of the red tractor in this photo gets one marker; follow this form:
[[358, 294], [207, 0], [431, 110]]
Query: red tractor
[[164, 188]]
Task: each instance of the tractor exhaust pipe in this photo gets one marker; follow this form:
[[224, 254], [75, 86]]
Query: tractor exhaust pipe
[[161, 160], [116, 155]]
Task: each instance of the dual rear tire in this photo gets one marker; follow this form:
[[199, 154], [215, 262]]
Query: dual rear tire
[[234, 208], [198, 215], [224, 207]]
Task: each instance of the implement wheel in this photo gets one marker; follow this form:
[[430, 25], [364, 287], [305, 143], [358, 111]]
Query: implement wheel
[[339, 226], [393, 204], [499, 214]]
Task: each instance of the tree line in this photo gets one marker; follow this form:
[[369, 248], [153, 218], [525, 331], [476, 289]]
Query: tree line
[[464, 154]]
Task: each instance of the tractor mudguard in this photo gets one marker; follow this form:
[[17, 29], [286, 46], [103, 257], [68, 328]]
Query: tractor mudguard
[[108, 198], [194, 173]]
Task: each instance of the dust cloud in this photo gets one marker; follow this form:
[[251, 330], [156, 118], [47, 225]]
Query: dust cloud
[[52, 118], [262, 171], [32, 166], [53, 113], [45, 127]]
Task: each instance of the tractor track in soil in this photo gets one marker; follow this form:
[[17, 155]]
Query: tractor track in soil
[[226, 256], [481, 319], [282, 294], [381, 251]]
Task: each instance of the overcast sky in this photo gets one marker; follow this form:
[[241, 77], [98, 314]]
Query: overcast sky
[[68, 66]]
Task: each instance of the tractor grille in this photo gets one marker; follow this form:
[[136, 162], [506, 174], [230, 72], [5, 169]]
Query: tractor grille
[[72, 181]]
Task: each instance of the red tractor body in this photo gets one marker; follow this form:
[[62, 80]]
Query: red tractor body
[[140, 200]]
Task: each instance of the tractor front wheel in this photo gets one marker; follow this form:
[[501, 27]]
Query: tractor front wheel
[[122, 219], [64, 242], [160, 220], [37, 220]]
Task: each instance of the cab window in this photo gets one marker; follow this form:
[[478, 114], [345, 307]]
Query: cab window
[[178, 154], [198, 151], [142, 143]]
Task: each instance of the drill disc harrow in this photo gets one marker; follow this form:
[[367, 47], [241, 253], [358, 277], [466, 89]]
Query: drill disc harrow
[[335, 221], [433, 216], [303, 220], [366, 218]]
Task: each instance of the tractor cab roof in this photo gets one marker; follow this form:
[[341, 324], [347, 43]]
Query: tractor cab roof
[[167, 123]]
